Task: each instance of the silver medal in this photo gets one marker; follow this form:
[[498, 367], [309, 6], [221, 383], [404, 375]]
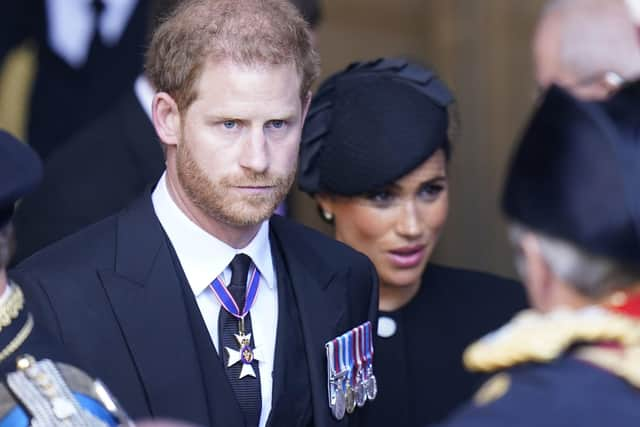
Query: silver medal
[[359, 390], [372, 385], [350, 399], [339, 406]]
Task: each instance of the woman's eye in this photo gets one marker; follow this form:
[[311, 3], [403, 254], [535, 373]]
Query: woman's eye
[[229, 124], [380, 198], [431, 190]]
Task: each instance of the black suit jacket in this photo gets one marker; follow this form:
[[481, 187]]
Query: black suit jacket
[[112, 296], [95, 174], [65, 99]]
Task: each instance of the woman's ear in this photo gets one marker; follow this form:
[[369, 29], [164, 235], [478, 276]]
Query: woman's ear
[[166, 118], [325, 207]]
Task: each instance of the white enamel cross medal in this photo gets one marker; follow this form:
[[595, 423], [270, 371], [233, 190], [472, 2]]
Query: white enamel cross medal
[[246, 355]]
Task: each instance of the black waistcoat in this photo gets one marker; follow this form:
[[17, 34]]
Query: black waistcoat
[[291, 397]]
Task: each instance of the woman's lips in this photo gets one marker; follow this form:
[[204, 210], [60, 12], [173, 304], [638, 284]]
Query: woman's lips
[[407, 256]]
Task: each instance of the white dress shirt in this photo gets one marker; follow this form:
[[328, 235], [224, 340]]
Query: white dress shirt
[[203, 258], [70, 24]]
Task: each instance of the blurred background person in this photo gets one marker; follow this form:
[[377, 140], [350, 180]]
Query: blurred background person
[[589, 47], [88, 52], [374, 155], [100, 169], [34, 390], [106, 164], [572, 201]]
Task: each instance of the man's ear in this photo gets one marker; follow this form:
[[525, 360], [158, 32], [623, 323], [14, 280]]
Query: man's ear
[[538, 276], [166, 118]]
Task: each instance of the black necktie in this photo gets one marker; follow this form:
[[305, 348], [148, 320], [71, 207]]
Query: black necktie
[[247, 389]]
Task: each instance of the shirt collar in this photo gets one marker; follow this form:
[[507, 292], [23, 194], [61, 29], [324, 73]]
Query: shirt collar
[[202, 256]]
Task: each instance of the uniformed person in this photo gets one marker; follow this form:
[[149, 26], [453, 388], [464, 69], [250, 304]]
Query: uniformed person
[[34, 390], [573, 200]]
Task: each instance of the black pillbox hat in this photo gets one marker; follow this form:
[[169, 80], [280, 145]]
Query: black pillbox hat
[[371, 124]]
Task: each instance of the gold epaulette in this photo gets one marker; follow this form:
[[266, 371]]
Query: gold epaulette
[[541, 337], [10, 309], [9, 312]]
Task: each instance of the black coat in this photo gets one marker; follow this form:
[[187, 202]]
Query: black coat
[[419, 369], [64, 99], [95, 174], [112, 296]]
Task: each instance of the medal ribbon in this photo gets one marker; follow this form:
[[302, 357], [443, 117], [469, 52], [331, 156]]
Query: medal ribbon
[[368, 342], [226, 299], [350, 356], [336, 356], [356, 351], [362, 359], [343, 353], [630, 306]]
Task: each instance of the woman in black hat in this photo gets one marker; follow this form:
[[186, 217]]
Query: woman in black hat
[[374, 155]]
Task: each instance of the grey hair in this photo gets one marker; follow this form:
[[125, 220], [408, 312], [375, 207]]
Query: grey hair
[[590, 275], [597, 36], [7, 245]]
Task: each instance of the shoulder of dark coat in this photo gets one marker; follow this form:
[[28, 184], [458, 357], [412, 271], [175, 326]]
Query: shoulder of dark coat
[[471, 283], [562, 393], [89, 249], [315, 243]]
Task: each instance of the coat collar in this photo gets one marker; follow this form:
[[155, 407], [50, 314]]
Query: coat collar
[[320, 292], [145, 294]]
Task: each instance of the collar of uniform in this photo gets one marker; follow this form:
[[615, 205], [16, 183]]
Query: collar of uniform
[[202, 256]]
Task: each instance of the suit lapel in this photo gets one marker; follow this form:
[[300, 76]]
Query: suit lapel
[[321, 295], [145, 294], [291, 400]]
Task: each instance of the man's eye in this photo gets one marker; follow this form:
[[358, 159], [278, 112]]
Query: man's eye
[[229, 124], [277, 124]]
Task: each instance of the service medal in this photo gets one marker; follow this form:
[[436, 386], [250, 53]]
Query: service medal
[[371, 384], [350, 400], [339, 405], [359, 390], [246, 355], [372, 387], [359, 387]]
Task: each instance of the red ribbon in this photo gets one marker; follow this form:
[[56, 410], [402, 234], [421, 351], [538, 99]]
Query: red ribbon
[[630, 306]]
